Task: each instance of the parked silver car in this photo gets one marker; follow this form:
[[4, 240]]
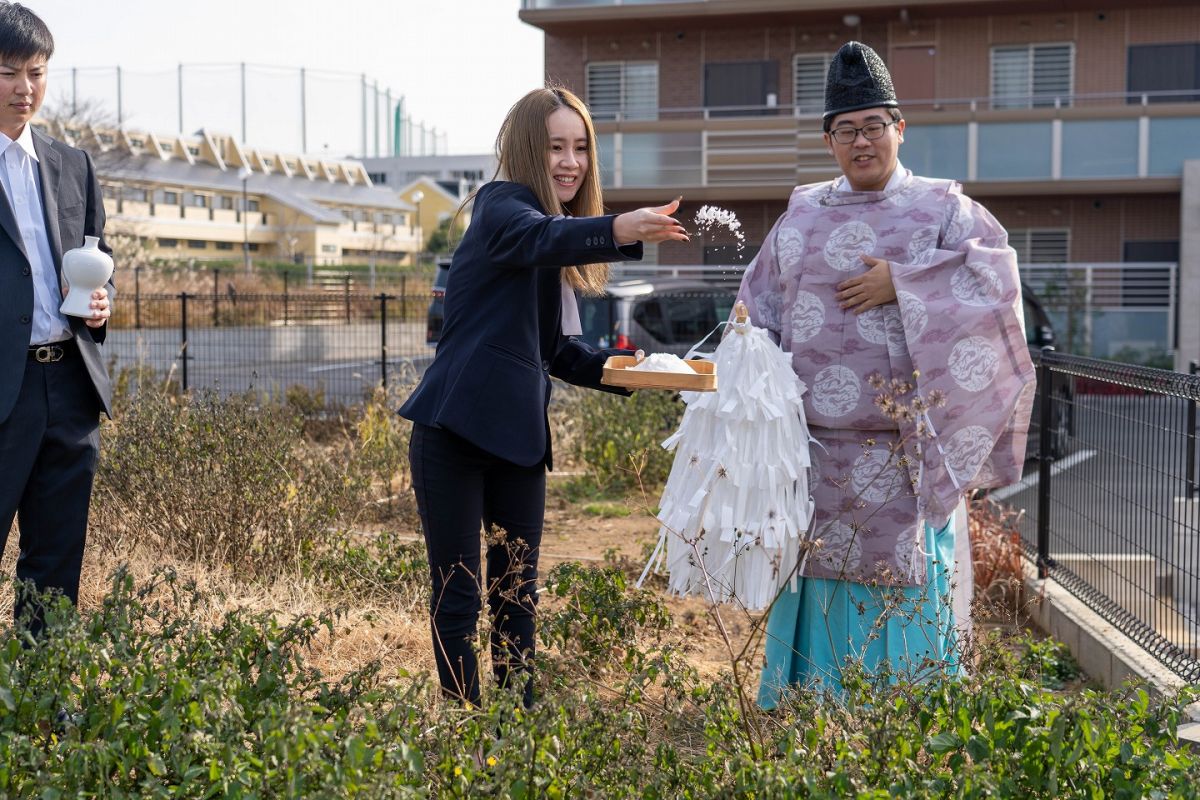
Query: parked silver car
[[658, 315]]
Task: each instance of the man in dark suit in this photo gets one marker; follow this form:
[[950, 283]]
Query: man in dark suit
[[53, 383]]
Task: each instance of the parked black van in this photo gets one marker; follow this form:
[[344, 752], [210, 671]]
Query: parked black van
[[433, 319], [1039, 333]]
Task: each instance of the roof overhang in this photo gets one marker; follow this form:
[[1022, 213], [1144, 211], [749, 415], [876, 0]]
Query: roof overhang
[[575, 19]]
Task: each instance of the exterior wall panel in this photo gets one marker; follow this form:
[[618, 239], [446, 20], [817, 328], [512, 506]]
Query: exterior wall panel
[[565, 62], [1100, 53], [963, 59], [1161, 25], [1099, 225], [681, 69]]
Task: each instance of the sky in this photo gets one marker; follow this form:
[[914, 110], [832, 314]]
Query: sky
[[460, 64]]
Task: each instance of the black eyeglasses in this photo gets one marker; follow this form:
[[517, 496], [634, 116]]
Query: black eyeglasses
[[870, 132]]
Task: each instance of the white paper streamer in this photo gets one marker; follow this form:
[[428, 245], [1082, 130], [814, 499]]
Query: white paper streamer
[[736, 506]]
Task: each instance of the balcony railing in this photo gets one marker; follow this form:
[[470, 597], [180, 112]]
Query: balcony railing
[[814, 108], [539, 4], [1107, 136], [1124, 311]]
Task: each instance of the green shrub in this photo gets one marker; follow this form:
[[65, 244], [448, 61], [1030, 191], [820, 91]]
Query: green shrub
[[607, 510], [382, 567], [164, 706], [601, 616], [1048, 662], [620, 438]]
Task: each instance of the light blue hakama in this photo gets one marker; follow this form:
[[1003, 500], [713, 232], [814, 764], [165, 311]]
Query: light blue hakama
[[816, 630]]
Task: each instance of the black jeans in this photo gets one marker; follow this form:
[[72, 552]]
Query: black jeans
[[458, 486]]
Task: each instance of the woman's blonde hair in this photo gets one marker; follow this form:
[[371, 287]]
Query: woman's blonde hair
[[521, 148]]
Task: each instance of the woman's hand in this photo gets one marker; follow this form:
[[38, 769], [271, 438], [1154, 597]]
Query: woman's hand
[[650, 225], [873, 288], [101, 309]]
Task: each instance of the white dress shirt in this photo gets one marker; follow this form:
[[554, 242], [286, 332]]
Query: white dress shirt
[[22, 187], [571, 326]]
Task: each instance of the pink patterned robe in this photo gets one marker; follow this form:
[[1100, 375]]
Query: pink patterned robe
[[957, 326]]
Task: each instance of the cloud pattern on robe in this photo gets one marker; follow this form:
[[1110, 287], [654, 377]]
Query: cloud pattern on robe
[[956, 327]]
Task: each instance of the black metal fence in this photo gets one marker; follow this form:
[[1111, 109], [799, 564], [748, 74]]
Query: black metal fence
[[337, 346], [1111, 498]]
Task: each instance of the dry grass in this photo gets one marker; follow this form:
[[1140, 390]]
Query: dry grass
[[196, 280], [395, 633], [395, 636]]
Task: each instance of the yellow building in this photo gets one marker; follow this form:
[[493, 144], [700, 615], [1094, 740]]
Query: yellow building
[[434, 204], [201, 197]]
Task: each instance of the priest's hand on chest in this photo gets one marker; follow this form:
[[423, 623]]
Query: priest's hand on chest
[[873, 288]]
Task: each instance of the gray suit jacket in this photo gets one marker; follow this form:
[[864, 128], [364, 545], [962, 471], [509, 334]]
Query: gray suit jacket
[[73, 209]]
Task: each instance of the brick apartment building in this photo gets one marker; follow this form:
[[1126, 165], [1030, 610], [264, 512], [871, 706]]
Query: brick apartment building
[[1072, 121]]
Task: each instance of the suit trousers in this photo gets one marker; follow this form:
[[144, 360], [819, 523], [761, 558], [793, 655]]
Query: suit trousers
[[48, 453], [459, 486]]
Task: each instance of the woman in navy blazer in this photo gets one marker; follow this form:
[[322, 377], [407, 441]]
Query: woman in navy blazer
[[481, 438]]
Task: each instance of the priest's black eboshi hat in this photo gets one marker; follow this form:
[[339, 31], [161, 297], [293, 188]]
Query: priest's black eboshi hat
[[857, 79]]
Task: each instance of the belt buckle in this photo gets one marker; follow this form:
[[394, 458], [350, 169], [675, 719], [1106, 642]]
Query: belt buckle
[[48, 353]]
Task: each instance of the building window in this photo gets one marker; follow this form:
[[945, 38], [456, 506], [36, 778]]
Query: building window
[[808, 82], [106, 138], [193, 150], [137, 142], [166, 147], [752, 85], [134, 193], [224, 245], [226, 202], [252, 247], [1164, 68], [625, 88], [252, 205], [197, 244], [171, 198], [168, 242], [1032, 76], [1041, 245], [377, 177], [199, 201], [329, 248], [1015, 150]]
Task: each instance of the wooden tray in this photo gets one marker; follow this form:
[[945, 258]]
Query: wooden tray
[[617, 374]]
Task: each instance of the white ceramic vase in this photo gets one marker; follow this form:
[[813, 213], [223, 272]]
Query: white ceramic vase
[[86, 269]]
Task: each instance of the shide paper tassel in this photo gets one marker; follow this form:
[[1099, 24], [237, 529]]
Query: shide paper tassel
[[736, 506]]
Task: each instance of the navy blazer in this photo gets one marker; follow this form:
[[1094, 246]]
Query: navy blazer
[[73, 209], [501, 339]]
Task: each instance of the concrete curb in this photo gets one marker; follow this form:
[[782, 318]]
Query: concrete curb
[[1103, 652]]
